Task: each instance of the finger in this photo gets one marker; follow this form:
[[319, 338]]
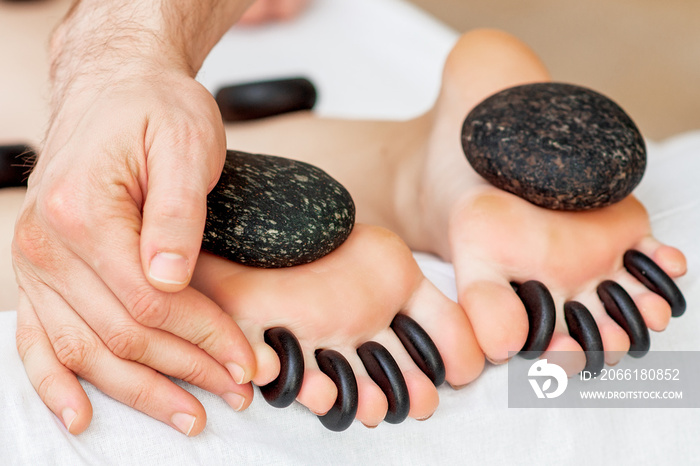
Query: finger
[[78, 349], [583, 329], [282, 391], [174, 213], [155, 348], [58, 387], [111, 229]]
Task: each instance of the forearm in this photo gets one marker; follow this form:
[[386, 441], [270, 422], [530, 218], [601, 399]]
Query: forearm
[[107, 38]]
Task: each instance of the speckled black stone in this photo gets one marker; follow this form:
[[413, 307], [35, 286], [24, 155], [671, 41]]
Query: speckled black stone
[[270, 211], [556, 145]]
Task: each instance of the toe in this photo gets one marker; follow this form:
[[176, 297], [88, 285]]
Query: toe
[[318, 392], [423, 395], [450, 330], [498, 317]]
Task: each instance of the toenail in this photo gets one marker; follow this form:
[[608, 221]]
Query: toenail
[[497, 362]]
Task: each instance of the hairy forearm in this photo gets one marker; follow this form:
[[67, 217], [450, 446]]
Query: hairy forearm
[[106, 38]]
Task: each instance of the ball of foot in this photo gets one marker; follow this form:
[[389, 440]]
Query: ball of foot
[[556, 145], [270, 211]]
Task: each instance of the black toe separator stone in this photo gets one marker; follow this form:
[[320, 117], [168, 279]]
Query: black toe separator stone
[[262, 99], [14, 164], [646, 271], [620, 306], [420, 347], [282, 391], [541, 317], [583, 329], [343, 412], [382, 368]]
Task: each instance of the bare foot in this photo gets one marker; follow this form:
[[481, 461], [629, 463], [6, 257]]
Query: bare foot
[[495, 238], [413, 178], [340, 302]]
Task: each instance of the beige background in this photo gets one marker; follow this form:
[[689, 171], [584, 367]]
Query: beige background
[[644, 54]]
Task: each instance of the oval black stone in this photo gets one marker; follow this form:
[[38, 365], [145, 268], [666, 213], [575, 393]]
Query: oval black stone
[[270, 211], [15, 164], [282, 391], [262, 99], [556, 145]]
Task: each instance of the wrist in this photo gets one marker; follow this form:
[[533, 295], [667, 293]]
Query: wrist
[[100, 41]]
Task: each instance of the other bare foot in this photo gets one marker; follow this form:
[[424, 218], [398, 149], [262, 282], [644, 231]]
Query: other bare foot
[[340, 302]]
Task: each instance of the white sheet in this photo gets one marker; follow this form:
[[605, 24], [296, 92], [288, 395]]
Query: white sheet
[[381, 58]]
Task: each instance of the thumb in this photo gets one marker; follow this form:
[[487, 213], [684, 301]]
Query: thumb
[[174, 213]]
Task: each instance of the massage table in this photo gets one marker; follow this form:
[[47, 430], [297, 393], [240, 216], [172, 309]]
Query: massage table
[[381, 59]]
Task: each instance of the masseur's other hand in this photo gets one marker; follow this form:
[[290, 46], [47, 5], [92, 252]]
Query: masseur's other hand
[[111, 227]]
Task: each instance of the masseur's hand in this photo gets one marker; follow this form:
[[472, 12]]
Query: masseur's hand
[[109, 234]]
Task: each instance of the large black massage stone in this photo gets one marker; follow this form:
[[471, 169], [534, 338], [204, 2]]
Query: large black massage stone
[[269, 211], [556, 145]]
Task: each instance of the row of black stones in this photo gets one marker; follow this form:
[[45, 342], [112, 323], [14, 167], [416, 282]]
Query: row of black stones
[[617, 302], [378, 362]]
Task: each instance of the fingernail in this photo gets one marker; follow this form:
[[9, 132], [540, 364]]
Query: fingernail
[[425, 418], [236, 372], [184, 422], [234, 400], [170, 268], [68, 417], [369, 427]]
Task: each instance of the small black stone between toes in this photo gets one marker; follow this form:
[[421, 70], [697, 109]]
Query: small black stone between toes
[[282, 391], [583, 329], [343, 412], [382, 368], [620, 306], [420, 347], [653, 277], [541, 317]]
